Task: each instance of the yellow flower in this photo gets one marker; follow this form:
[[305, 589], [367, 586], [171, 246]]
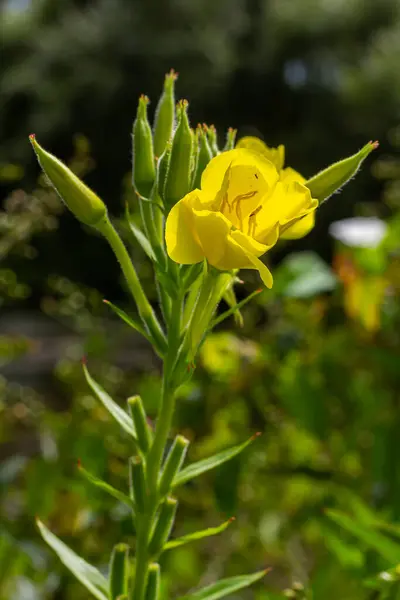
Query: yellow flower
[[277, 156], [239, 213]]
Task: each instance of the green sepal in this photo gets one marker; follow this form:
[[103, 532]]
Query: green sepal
[[234, 310], [139, 419], [143, 163], [106, 487], [173, 463], [197, 535], [137, 483], [225, 587], [212, 138], [204, 156], [230, 139], [330, 180], [88, 575], [162, 169], [81, 200], [153, 582], [122, 418], [119, 571], [202, 466], [366, 534], [178, 179], [164, 524], [165, 114], [129, 320]]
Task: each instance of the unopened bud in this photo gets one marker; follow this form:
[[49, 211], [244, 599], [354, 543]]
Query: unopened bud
[[81, 201], [119, 571], [204, 157], [327, 182], [143, 168], [212, 139], [178, 179], [230, 139], [165, 114]]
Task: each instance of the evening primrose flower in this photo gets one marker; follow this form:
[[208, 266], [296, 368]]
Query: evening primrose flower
[[287, 175], [241, 210]]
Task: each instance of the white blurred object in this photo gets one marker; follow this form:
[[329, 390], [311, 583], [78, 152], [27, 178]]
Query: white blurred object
[[359, 232]]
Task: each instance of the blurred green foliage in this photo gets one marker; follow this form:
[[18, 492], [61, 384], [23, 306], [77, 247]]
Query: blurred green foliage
[[314, 370]]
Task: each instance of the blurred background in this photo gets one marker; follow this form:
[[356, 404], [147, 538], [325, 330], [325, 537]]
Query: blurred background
[[315, 366]]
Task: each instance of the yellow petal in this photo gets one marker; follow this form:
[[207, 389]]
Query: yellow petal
[[265, 273], [212, 229], [289, 175], [288, 203], [299, 228], [275, 155], [180, 234], [259, 170]]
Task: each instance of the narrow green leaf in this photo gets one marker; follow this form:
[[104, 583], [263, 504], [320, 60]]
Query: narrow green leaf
[[122, 418], [131, 321], [225, 586], [198, 535], [197, 468], [382, 544], [235, 309], [88, 575], [140, 236], [102, 485]]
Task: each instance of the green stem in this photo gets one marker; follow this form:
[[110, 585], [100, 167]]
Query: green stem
[[145, 310], [156, 452]]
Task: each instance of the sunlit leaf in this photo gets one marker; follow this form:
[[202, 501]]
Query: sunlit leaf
[[88, 575], [225, 586], [122, 418], [202, 466], [197, 535]]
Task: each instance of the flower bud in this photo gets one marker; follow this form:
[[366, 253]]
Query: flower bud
[[153, 582], [144, 170], [165, 114], [119, 571], [230, 139], [173, 463], [163, 526], [204, 157], [138, 490], [140, 422], [327, 182], [81, 201], [212, 139], [177, 183]]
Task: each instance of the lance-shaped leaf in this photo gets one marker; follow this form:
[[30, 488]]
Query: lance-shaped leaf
[[373, 539], [122, 418], [225, 587], [139, 235], [102, 485], [88, 575], [197, 468], [131, 321], [330, 180], [234, 310], [198, 535]]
